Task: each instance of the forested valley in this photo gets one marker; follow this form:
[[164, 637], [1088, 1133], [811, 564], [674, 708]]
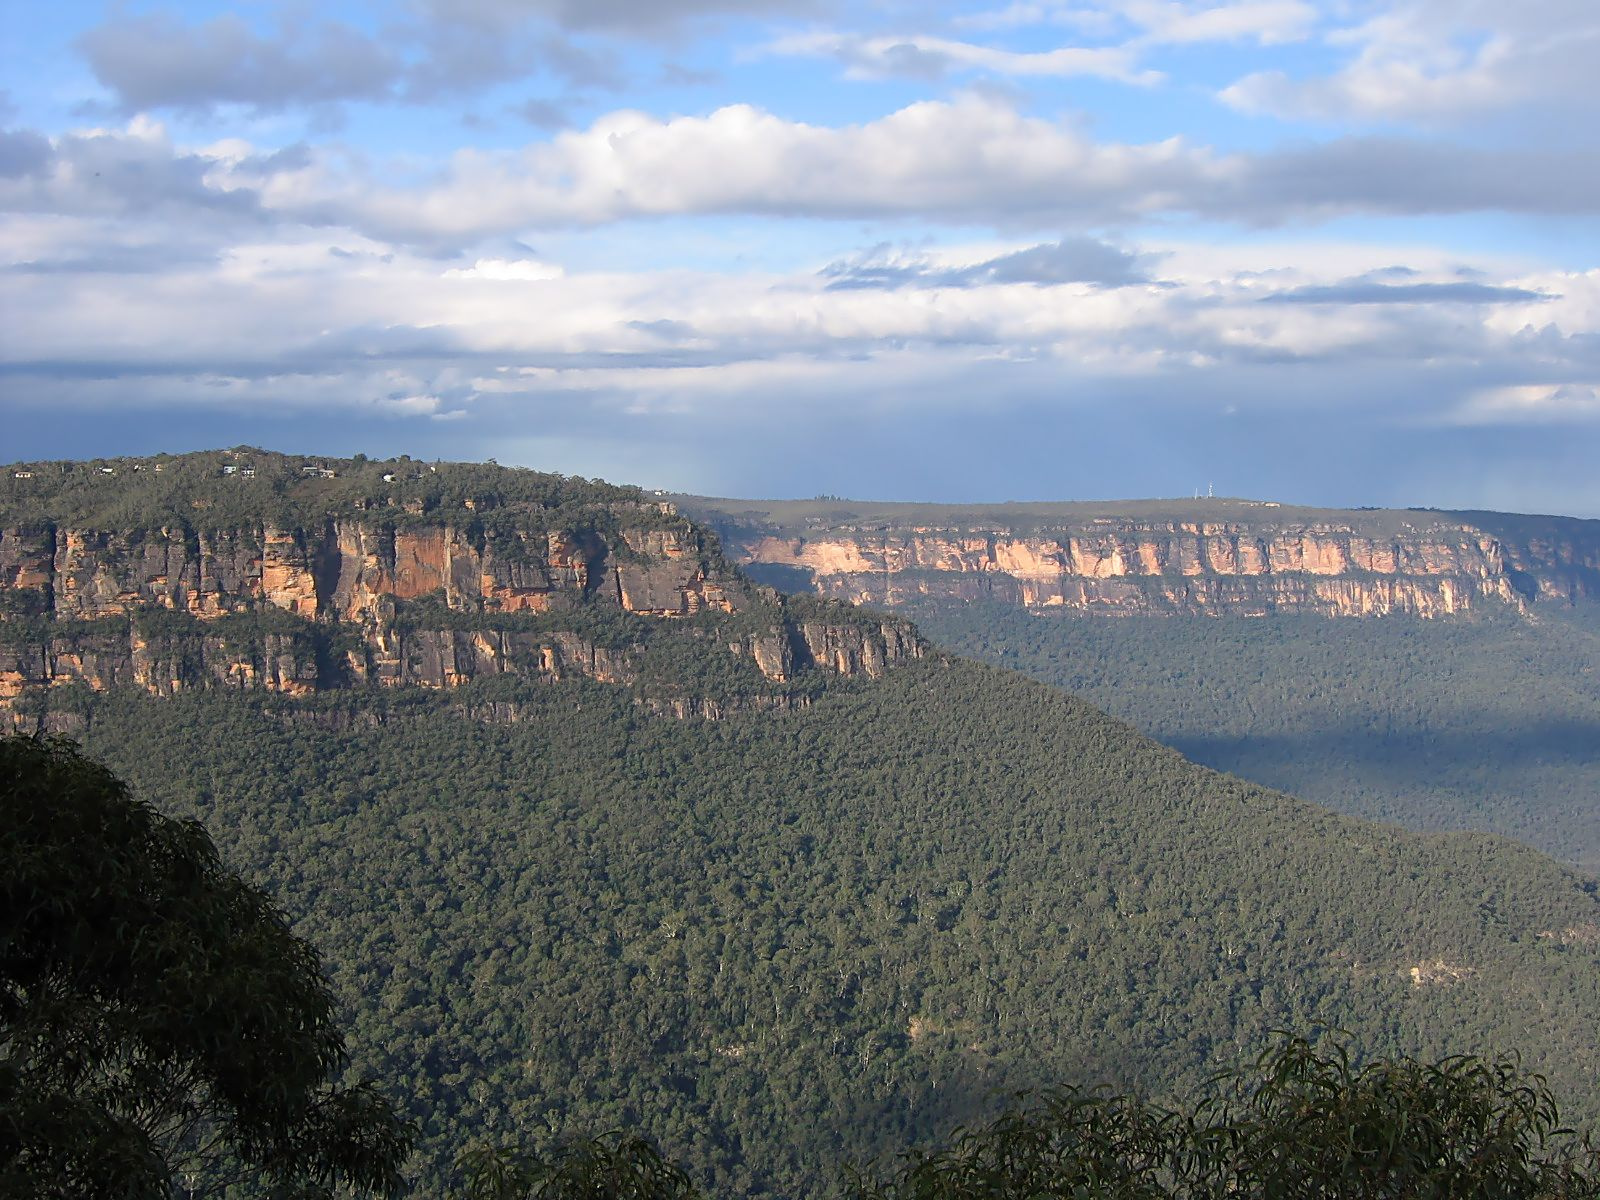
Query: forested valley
[[593, 834], [783, 942], [1486, 721]]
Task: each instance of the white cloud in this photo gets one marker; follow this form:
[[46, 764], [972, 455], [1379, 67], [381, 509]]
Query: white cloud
[[211, 272], [1265, 22], [1442, 61], [920, 55], [974, 160], [408, 337], [395, 350], [1530, 403], [1160, 22], [521, 270], [970, 159]]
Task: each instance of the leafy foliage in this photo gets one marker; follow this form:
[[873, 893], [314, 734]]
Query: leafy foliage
[[157, 1017], [783, 942], [1070, 1141], [1304, 1125], [613, 1166]]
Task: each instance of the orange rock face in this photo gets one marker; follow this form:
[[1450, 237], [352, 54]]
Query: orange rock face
[[353, 576], [1193, 567]]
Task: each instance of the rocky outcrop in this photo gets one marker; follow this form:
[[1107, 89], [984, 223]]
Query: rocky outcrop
[[346, 568], [349, 603], [1424, 565], [101, 660], [859, 645]]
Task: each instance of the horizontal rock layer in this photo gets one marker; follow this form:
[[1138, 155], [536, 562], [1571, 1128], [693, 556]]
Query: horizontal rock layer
[[346, 568], [348, 604], [1186, 567]]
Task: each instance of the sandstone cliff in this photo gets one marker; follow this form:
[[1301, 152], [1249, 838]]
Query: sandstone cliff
[[1226, 557], [416, 594]]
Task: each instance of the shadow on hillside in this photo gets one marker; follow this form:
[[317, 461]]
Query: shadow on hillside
[[1535, 781]]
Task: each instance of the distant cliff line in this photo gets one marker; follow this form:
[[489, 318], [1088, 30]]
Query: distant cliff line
[[1210, 557]]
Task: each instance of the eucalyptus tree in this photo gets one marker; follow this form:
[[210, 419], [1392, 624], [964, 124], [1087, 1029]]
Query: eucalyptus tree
[[159, 1023]]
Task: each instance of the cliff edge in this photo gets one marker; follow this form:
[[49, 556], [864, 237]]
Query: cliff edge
[[252, 570], [1203, 557]]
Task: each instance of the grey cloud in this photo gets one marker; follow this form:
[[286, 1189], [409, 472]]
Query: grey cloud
[[288, 158], [850, 276], [345, 352], [541, 114], [368, 343], [665, 328], [1370, 292], [1405, 176], [902, 60], [627, 17], [156, 61], [677, 75], [1370, 410], [1071, 260], [1152, 436], [460, 59], [971, 160], [120, 260], [22, 152], [359, 255], [115, 173], [360, 349]]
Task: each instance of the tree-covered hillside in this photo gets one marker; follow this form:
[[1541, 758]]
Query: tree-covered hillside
[[784, 941], [217, 488], [1487, 722]]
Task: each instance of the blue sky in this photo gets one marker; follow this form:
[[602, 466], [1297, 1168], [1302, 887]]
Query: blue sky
[[1326, 251]]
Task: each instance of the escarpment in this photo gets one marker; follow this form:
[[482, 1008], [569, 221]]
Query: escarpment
[[1216, 557], [396, 583]]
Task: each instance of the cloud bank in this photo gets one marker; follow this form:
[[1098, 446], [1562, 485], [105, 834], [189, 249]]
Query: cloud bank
[[1054, 247]]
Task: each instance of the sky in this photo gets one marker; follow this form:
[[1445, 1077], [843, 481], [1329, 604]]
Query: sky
[[1321, 251]]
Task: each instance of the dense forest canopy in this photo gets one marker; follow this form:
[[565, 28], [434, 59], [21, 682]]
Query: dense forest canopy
[[1487, 722], [161, 1029], [157, 1018], [782, 942]]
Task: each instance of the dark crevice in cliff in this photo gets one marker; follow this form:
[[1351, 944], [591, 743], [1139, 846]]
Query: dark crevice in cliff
[[1524, 584], [598, 571], [326, 563], [799, 649]]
